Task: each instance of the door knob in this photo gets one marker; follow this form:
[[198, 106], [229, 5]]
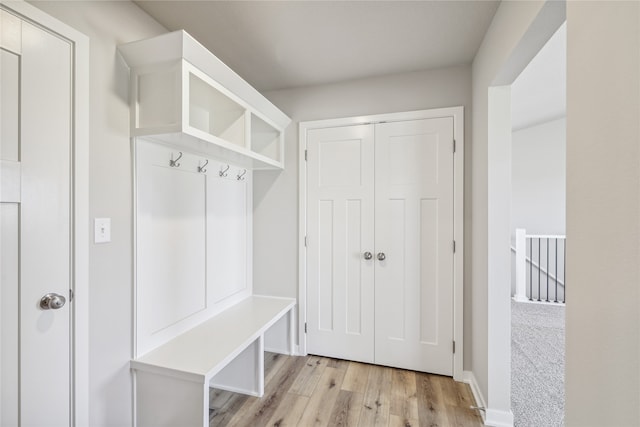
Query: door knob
[[52, 301], [368, 255], [381, 256]]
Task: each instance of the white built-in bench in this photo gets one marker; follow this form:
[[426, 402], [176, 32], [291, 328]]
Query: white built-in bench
[[226, 352], [199, 131]]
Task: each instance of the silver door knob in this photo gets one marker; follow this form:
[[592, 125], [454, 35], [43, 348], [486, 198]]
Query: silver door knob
[[52, 301], [368, 255], [381, 256]]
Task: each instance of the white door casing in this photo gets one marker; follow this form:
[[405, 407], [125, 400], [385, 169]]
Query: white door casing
[[422, 198], [43, 236], [340, 281]]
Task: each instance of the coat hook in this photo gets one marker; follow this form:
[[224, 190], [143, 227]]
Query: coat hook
[[223, 173], [202, 169], [174, 163], [241, 175]]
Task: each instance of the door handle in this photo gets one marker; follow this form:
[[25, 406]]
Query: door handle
[[381, 256], [52, 301], [368, 255]]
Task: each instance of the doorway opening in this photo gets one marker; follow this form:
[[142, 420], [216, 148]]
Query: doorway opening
[[538, 236], [550, 17]]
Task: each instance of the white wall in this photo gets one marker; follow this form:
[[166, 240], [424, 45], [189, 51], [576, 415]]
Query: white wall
[[603, 202], [109, 24], [539, 94], [603, 214], [276, 194], [538, 175], [508, 26], [516, 34]]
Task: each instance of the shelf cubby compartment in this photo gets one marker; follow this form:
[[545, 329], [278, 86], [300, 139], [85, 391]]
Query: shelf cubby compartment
[[213, 112], [266, 139], [156, 99], [182, 95]]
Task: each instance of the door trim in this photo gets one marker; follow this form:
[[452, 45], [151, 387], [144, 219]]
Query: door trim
[[458, 211], [80, 200]]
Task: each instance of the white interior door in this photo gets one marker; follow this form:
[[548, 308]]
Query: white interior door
[[35, 236], [414, 231], [340, 213], [385, 189]]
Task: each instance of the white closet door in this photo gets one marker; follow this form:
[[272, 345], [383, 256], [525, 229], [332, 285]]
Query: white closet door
[[35, 224], [340, 218], [414, 231]]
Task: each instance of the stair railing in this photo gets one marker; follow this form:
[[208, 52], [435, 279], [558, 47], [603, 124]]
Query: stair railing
[[540, 267]]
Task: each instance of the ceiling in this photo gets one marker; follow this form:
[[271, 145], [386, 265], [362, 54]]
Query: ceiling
[[284, 44]]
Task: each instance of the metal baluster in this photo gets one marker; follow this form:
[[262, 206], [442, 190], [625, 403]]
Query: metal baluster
[[530, 269], [547, 270], [556, 300], [539, 268], [564, 271]]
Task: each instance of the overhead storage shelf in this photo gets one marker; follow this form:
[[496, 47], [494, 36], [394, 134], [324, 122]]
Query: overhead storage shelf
[[181, 94]]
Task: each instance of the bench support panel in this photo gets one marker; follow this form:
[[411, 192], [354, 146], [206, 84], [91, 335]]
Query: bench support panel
[[279, 337], [245, 373], [163, 401]]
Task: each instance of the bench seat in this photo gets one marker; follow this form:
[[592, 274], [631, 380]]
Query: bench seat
[[226, 351]]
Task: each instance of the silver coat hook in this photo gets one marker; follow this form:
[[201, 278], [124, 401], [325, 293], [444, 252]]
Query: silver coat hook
[[174, 163], [202, 169], [241, 175], [223, 173]]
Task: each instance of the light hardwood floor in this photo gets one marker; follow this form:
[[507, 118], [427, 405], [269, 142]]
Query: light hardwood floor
[[319, 391]]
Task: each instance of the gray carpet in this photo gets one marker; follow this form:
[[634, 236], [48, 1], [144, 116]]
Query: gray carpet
[[537, 365]]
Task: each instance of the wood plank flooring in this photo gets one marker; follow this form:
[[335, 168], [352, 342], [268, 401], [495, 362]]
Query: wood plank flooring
[[319, 391]]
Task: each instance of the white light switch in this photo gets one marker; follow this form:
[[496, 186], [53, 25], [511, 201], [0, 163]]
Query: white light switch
[[102, 230]]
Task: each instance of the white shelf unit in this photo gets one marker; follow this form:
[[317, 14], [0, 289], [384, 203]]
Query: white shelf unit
[[198, 132], [183, 95]]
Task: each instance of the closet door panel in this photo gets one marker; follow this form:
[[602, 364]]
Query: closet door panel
[[429, 272], [323, 279], [340, 229], [414, 229]]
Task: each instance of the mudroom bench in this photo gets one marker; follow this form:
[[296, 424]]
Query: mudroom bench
[[225, 352], [199, 132]]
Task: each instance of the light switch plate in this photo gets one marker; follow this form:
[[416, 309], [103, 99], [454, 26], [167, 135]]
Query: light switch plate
[[102, 230]]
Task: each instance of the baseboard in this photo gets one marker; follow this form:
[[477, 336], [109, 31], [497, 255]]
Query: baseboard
[[277, 351], [490, 417], [541, 302], [296, 351], [497, 418], [470, 379]]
